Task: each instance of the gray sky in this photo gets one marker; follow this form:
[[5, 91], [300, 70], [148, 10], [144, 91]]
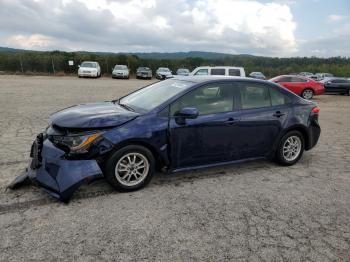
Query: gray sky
[[264, 27]]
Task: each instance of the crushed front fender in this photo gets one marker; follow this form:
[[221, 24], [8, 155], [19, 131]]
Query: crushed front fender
[[56, 175]]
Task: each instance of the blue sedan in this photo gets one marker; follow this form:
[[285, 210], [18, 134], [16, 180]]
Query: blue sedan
[[175, 125]]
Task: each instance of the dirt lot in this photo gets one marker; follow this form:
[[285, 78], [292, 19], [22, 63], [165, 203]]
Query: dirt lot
[[256, 211]]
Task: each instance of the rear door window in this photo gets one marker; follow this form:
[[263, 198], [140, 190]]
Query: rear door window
[[217, 71], [254, 95], [234, 72]]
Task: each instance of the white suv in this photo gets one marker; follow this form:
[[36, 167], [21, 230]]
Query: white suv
[[219, 71], [89, 69]]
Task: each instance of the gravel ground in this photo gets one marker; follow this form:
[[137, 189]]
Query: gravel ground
[[256, 211]]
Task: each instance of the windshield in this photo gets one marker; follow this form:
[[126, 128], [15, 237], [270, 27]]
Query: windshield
[[162, 69], [120, 67], [88, 64], [148, 98], [142, 69]]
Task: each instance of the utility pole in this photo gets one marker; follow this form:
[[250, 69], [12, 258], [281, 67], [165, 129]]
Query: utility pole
[[53, 66], [20, 62]]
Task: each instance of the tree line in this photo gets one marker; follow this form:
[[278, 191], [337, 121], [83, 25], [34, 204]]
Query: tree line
[[56, 63]]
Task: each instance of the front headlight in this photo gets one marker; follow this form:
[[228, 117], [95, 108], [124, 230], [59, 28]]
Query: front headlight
[[76, 144]]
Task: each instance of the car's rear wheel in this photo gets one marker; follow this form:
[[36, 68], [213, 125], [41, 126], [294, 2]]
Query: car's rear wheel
[[130, 168], [291, 148], [307, 94]]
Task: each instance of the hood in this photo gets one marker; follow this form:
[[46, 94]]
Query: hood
[[92, 115]]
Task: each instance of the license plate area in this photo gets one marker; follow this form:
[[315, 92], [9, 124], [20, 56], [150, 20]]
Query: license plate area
[[35, 152]]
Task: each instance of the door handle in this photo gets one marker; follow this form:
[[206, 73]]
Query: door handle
[[278, 114], [230, 121]]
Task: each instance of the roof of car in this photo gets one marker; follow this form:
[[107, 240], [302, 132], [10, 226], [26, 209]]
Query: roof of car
[[300, 76], [209, 67], [201, 79]]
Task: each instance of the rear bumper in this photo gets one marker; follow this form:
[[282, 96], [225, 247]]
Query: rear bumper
[[58, 176], [314, 134]]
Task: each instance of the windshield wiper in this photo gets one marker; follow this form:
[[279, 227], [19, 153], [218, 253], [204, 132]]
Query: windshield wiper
[[126, 107]]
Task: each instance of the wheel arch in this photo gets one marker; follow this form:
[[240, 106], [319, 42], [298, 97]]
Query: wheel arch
[[160, 159], [308, 88], [302, 129]]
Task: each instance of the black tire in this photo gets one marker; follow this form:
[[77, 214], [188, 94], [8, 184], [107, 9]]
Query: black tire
[[281, 159], [113, 160], [306, 92]]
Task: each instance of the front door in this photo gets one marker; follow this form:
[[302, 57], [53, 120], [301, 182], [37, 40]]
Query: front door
[[212, 136]]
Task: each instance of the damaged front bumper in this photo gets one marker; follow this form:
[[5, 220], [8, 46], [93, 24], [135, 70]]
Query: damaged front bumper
[[55, 174]]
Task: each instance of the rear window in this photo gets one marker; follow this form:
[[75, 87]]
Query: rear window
[[234, 72], [217, 71]]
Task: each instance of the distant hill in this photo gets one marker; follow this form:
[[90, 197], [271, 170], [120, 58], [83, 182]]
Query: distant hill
[[152, 55], [12, 50], [181, 55]]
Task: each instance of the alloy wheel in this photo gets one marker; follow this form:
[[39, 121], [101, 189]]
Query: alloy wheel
[[132, 169], [308, 94], [292, 148]]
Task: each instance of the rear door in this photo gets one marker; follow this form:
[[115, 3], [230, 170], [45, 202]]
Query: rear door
[[263, 111], [293, 83], [285, 81]]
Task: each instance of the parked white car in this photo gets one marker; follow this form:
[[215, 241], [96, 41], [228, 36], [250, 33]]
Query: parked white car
[[163, 73], [121, 71], [89, 69], [219, 71]]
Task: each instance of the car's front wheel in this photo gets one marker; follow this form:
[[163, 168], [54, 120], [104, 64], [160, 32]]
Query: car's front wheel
[[291, 148], [307, 94], [130, 168]]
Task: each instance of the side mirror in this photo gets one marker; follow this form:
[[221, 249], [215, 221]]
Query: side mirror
[[188, 113], [78, 66]]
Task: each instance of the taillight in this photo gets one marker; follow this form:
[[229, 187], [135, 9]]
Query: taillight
[[315, 110]]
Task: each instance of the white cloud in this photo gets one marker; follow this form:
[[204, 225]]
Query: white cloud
[[336, 18], [335, 44], [35, 41], [241, 26]]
